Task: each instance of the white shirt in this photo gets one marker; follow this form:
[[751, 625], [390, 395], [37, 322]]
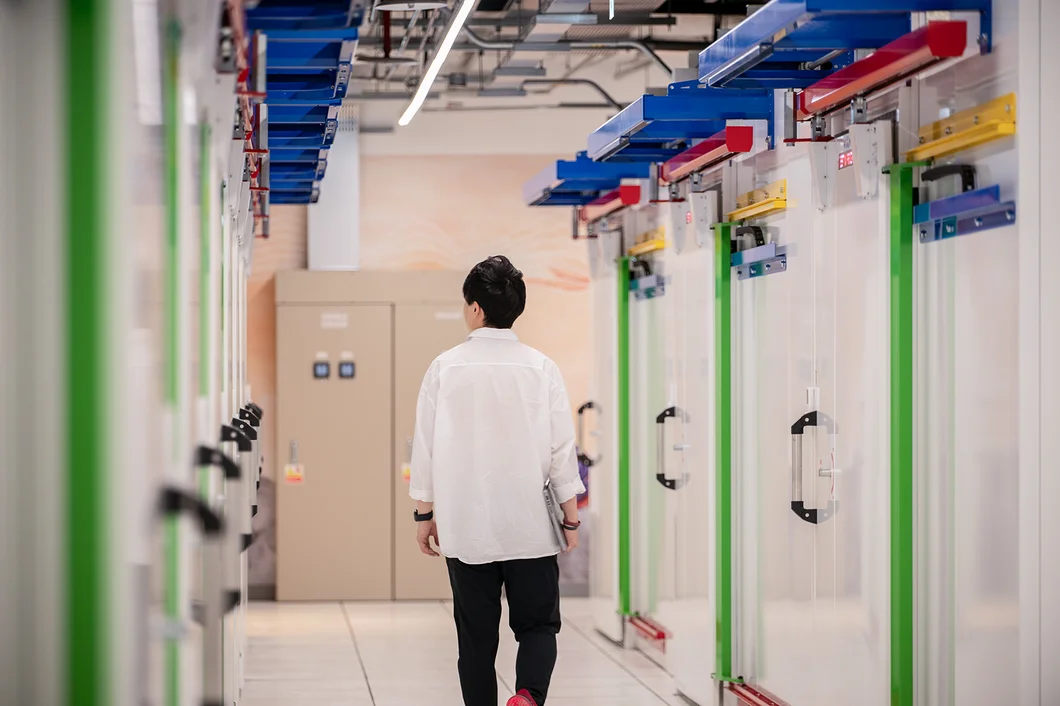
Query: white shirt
[[493, 423]]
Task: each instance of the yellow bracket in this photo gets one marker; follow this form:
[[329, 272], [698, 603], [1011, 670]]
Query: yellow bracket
[[646, 247], [966, 129], [761, 202]]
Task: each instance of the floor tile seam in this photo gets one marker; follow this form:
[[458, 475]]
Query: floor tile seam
[[616, 662], [357, 649]]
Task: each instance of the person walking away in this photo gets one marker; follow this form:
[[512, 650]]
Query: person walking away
[[493, 425]]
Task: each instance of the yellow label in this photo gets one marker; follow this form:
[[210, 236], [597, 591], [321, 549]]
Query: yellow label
[[294, 473], [406, 472]]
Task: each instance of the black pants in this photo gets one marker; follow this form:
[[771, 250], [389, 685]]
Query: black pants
[[532, 588]]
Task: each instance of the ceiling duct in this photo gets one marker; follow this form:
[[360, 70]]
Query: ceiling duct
[[520, 69], [349, 116], [408, 5], [561, 46], [553, 19]]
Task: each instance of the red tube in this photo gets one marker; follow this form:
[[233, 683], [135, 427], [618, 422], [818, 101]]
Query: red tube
[[751, 696], [893, 62]]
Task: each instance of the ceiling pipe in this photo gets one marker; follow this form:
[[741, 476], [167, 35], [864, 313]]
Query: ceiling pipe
[[404, 41], [499, 108], [427, 33], [604, 45], [561, 46], [577, 81]]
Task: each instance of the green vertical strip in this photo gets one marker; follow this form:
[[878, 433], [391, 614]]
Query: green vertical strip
[[205, 334], [222, 343], [224, 258], [172, 351], [723, 445], [902, 510], [87, 99], [623, 437]]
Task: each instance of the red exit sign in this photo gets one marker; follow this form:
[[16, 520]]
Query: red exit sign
[[846, 159]]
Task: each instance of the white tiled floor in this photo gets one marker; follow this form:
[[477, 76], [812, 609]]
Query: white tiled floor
[[404, 654]]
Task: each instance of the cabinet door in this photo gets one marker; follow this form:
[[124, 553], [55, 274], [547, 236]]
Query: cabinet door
[[338, 429], [689, 613], [603, 512], [651, 557], [421, 333]]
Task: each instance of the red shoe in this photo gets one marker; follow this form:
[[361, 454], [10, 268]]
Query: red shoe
[[523, 698]]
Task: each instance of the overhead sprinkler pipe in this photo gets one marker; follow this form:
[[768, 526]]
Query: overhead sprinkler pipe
[[386, 33], [609, 45], [451, 33]]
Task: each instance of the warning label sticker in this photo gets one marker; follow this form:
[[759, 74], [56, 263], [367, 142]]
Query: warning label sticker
[[294, 474]]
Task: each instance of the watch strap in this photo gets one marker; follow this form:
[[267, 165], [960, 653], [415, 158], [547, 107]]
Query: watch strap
[[422, 518]]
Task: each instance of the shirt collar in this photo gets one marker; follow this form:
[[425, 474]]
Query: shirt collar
[[499, 334]]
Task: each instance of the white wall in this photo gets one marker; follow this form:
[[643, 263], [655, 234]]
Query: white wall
[[334, 221], [543, 131]]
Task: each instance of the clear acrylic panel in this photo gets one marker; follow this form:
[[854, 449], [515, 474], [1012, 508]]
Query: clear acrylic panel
[[601, 437], [689, 612], [651, 562], [812, 599], [967, 429]]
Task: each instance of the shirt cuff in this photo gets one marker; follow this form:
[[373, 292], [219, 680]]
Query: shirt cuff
[[424, 496], [566, 491]]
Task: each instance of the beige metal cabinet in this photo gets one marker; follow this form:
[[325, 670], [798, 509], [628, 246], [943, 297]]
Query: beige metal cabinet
[[344, 525], [338, 429], [421, 332]]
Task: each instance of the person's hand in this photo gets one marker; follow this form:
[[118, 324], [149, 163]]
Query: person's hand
[[572, 540], [424, 532]]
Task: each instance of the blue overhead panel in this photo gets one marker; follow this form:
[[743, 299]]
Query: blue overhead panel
[[795, 43], [656, 128], [310, 48], [567, 183]]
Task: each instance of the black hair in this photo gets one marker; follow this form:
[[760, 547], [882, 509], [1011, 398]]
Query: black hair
[[496, 286]]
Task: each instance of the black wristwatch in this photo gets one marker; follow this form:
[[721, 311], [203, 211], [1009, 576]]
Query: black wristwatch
[[422, 518]]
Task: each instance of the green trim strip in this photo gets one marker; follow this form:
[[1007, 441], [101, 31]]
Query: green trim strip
[[170, 94], [87, 108], [902, 508], [623, 437], [723, 447], [205, 334]]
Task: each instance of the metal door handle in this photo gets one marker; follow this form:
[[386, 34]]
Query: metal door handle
[[814, 516], [965, 171], [585, 458], [660, 431]]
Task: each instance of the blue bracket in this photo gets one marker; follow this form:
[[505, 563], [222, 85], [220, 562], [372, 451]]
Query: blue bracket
[[648, 287], [330, 128], [773, 47], [311, 46], [970, 212], [768, 259], [578, 182], [656, 128]]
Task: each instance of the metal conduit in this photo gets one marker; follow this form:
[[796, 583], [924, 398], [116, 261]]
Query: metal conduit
[[603, 45], [423, 40], [576, 81], [404, 43]]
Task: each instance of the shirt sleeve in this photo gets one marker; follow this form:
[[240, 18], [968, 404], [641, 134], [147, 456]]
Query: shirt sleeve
[[421, 476], [563, 474]]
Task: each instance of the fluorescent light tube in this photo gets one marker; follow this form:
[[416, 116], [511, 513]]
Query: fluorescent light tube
[[436, 63]]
